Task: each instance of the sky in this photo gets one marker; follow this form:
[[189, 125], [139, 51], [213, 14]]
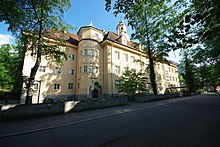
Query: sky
[[80, 14]]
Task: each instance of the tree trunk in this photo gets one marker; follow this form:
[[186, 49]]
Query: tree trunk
[[31, 79], [152, 72], [151, 61], [17, 88], [214, 87]]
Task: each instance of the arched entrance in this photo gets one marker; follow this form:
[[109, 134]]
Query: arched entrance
[[96, 90], [95, 93]]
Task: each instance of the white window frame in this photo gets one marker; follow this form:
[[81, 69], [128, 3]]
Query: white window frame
[[117, 55], [125, 56], [96, 69], [117, 69], [85, 69], [96, 53], [42, 68], [71, 57], [57, 70], [132, 59], [85, 52], [91, 52], [90, 69], [71, 71]]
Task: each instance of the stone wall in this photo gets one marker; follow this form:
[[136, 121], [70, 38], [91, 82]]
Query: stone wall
[[24, 111], [148, 98]]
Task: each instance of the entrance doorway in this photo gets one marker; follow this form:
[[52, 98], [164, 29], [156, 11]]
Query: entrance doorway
[[95, 93], [96, 90]]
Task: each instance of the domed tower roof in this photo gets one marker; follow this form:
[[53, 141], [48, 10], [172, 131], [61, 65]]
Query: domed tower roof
[[121, 27], [121, 22], [91, 24]]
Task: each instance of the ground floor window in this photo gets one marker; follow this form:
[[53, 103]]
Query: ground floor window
[[117, 84], [70, 86], [56, 86]]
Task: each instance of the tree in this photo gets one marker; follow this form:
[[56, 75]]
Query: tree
[[30, 21], [9, 60], [132, 82], [209, 68], [188, 75], [5, 63], [151, 21], [206, 13], [199, 33]]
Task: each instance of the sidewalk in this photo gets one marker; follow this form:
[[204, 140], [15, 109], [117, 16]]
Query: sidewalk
[[16, 127]]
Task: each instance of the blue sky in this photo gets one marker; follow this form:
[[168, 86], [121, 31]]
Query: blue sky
[[79, 15], [81, 12]]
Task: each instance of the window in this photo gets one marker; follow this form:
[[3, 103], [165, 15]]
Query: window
[[96, 69], [80, 69], [117, 84], [71, 72], [71, 57], [158, 65], [90, 69], [132, 59], [42, 68], [96, 53], [57, 70], [35, 86], [85, 52], [117, 69], [176, 78], [124, 57], [117, 55], [56, 86], [173, 79], [159, 77], [126, 68], [70, 86], [85, 69], [91, 52]]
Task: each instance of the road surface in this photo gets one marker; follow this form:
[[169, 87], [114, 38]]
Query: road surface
[[189, 121]]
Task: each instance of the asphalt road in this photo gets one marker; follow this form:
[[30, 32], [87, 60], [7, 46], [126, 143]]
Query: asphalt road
[[190, 121]]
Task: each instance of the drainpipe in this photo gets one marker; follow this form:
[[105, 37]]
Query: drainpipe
[[112, 71], [76, 73], [38, 99]]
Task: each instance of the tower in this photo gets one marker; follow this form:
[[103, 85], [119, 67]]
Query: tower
[[122, 32]]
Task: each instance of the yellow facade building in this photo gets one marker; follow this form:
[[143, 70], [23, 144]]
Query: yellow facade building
[[96, 61]]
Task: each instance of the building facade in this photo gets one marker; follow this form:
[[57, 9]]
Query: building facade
[[96, 61]]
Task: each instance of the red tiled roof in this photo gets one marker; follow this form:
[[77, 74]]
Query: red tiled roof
[[115, 38], [68, 37]]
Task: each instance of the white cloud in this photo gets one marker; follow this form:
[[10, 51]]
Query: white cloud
[[174, 56], [6, 39]]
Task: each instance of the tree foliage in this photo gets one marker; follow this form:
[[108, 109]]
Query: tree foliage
[[29, 20], [151, 21], [133, 82], [9, 60]]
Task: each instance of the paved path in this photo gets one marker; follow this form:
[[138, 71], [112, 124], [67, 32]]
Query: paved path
[[158, 122]]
